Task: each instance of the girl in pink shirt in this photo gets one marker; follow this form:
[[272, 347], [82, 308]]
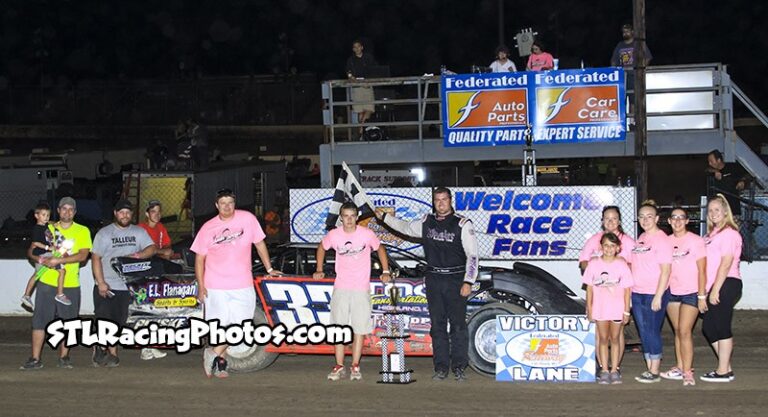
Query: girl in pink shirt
[[651, 259], [611, 223], [724, 285], [687, 283], [609, 282]]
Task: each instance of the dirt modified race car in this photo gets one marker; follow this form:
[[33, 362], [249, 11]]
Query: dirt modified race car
[[296, 298]]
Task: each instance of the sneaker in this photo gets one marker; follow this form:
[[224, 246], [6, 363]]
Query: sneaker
[[99, 356], [26, 301], [220, 367], [31, 364], [65, 363], [208, 361], [149, 354], [604, 378], [336, 373], [688, 379], [674, 373], [459, 375], [440, 375], [713, 376], [354, 373], [648, 378], [63, 299], [615, 378], [111, 361]]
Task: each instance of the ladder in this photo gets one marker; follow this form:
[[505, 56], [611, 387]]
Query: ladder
[[132, 191]]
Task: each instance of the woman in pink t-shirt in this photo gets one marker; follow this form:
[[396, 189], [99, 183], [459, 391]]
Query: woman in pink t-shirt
[[539, 60], [724, 285], [651, 263], [609, 282], [687, 285]]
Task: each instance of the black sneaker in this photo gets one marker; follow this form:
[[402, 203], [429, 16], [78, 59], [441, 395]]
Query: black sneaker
[[220, 367], [713, 376], [111, 361], [99, 356], [459, 375], [440, 375], [65, 363], [31, 364]]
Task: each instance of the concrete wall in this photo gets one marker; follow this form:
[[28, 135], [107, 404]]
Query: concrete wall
[[16, 272]]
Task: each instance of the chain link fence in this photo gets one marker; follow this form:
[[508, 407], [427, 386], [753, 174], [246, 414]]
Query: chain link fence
[[541, 223]]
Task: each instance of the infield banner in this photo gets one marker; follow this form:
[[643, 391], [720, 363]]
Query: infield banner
[[567, 106], [545, 348]]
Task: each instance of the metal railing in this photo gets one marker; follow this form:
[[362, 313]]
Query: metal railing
[[680, 97], [412, 104]]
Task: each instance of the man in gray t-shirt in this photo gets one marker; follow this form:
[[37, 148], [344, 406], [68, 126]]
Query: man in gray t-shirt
[[110, 295]]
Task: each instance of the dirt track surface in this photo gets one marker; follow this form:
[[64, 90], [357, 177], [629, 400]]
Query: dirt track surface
[[296, 386]]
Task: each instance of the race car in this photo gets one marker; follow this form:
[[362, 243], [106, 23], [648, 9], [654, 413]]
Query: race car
[[297, 299]]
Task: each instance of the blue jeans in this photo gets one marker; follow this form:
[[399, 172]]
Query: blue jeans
[[649, 322]]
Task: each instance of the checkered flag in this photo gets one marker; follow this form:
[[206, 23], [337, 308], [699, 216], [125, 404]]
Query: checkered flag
[[347, 189]]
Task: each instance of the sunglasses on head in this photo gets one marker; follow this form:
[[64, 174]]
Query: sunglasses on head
[[225, 192]]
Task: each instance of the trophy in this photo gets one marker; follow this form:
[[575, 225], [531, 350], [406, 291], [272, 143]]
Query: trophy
[[393, 364]]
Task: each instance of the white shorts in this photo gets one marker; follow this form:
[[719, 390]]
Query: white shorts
[[364, 94], [353, 308], [230, 306]]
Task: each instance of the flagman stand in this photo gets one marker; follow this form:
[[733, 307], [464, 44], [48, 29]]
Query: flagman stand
[[393, 365]]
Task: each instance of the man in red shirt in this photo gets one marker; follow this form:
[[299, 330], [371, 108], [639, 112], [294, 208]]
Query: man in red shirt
[[156, 230], [159, 234]]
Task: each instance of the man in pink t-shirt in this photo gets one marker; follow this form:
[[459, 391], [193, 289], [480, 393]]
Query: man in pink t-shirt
[[223, 271], [351, 300]]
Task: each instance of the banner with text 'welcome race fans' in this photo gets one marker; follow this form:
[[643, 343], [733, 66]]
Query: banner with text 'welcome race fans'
[[510, 222], [560, 106]]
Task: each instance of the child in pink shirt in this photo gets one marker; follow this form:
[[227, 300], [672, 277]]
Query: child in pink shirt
[[351, 299], [608, 281]]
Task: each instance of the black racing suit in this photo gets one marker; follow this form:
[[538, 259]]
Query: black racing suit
[[450, 248]]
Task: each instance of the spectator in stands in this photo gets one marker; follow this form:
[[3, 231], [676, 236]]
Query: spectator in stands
[[729, 179], [624, 55], [358, 66], [502, 62], [539, 60]]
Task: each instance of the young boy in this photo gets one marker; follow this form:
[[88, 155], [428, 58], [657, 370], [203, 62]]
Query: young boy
[[351, 299], [46, 242]]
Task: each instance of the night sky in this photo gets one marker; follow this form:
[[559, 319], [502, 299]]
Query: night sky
[[64, 41]]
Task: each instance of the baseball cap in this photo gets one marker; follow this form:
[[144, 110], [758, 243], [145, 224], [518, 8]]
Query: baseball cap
[[123, 204], [153, 203], [68, 201]]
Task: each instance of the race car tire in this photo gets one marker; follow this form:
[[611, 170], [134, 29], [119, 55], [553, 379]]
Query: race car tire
[[244, 358], [481, 327]]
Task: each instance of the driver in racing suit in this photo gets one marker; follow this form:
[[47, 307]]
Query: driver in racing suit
[[450, 249]]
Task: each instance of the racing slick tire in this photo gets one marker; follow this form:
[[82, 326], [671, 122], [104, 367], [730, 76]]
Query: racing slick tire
[[481, 327], [243, 358]]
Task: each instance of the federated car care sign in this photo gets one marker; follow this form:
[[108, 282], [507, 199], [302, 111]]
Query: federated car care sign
[[560, 106], [545, 349], [509, 222]]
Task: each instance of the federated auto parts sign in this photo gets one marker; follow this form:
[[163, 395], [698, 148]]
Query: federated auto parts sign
[[510, 222], [560, 107]]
